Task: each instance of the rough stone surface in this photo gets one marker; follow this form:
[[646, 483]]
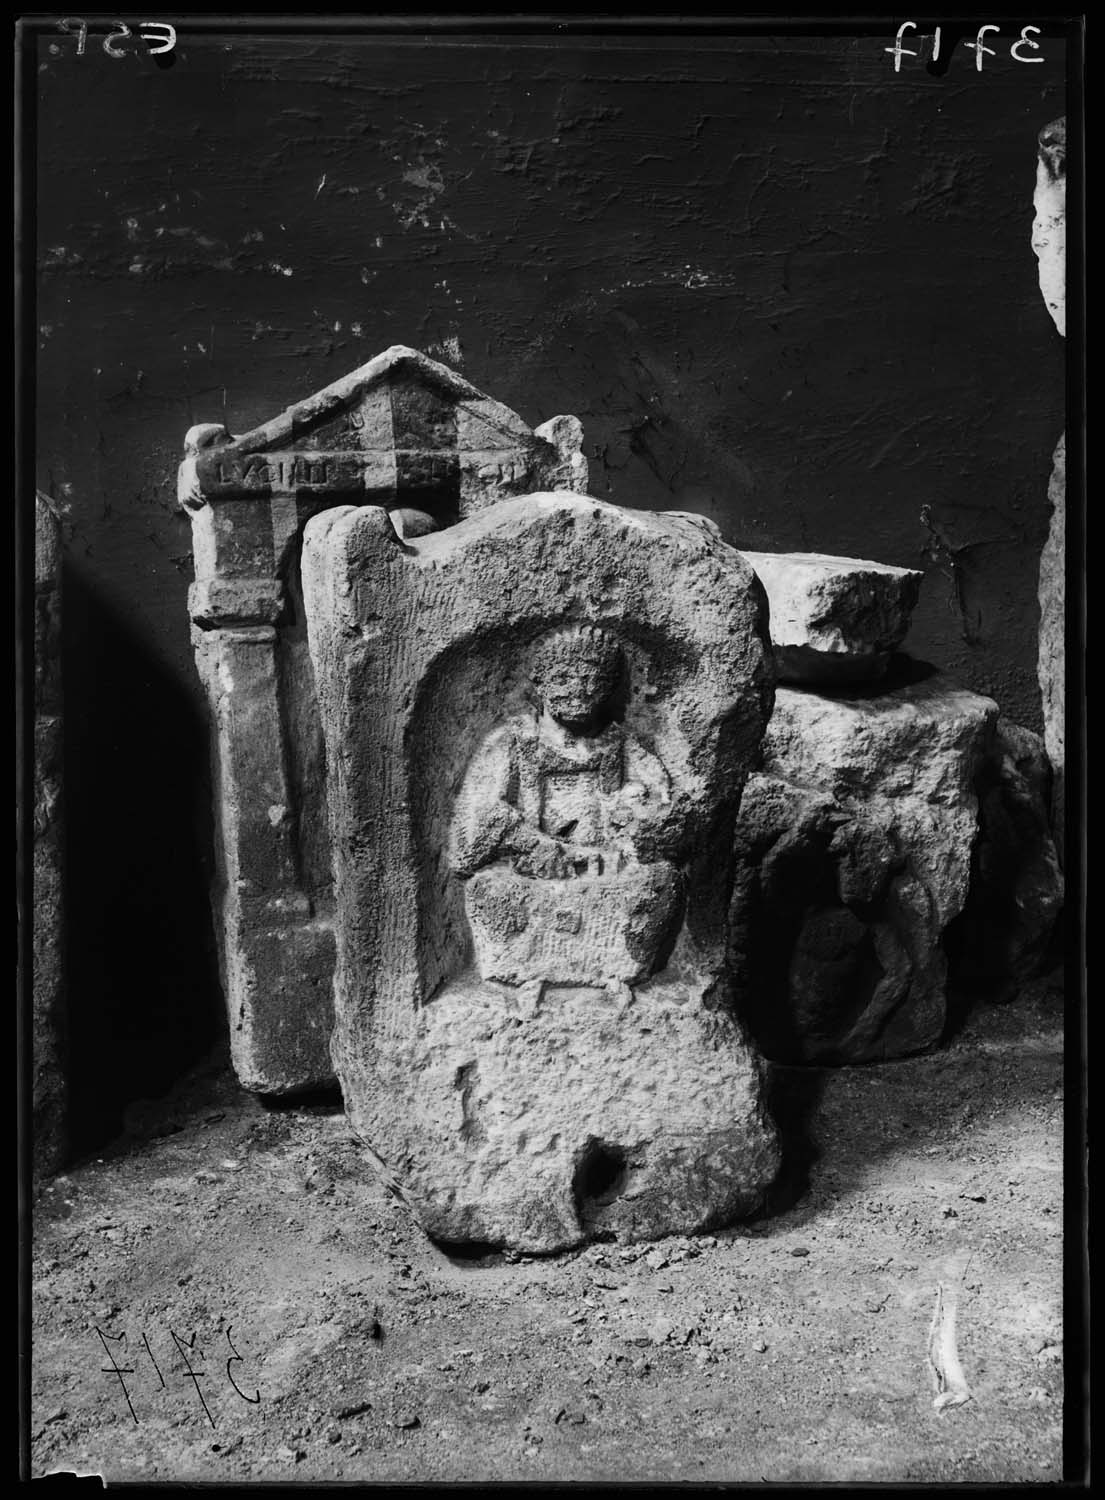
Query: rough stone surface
[[834, 619], [1004, 934], [1053, 654], [538, 1131], [1049, 240], [48, 1091], [853, 853], [1049, 227], [426, 445], [538, 723]]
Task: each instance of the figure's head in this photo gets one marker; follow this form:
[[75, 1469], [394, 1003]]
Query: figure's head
[[576, 671]]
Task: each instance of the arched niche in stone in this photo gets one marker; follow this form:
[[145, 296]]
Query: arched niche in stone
[[558, 1055]]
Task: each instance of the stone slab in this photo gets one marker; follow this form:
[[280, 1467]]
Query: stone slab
[[834, 620]]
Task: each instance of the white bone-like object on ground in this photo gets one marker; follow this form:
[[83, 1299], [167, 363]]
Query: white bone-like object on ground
[[947, 1372]]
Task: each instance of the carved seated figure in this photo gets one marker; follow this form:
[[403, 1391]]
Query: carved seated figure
[[561, 830]]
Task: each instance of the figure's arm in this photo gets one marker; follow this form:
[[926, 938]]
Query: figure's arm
[[487, 825], [483, 816], [644, 816]]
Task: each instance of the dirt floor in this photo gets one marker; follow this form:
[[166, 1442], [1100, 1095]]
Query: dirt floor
[[253, 1247]]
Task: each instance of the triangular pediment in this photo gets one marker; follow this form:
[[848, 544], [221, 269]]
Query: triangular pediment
[[400, 426], [400, 401]]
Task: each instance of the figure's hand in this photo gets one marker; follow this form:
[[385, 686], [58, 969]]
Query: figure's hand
[[548, 860]]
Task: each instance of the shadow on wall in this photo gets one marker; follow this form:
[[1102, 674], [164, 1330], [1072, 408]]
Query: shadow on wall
[[143, 992]]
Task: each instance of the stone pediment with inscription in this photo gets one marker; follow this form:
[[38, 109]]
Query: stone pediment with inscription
[[402, 433], [400, 426]]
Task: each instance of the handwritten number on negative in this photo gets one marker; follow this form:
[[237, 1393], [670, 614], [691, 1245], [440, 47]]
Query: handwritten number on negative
[[154, 1362], [150, 32], [116, 1369], [253, 1400], [65, 27], [978, 46], [190, 1374]]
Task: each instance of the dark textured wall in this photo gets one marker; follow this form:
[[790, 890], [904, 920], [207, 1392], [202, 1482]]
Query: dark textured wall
[[780, 285]]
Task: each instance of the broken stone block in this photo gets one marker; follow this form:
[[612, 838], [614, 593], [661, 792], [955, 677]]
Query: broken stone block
[[538, 723], [48, 1028], [566, 435], [853, 853], [415, 438], [1004, 934], [834, 620]]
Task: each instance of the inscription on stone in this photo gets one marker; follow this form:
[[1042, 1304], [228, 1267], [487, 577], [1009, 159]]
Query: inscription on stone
[[425, 469], [285, 471]]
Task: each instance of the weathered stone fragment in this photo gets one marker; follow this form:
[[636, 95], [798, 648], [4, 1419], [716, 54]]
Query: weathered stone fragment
[[1049, 240], [415, 438], [853, 854], [1052, 667], [1049, 227], [566, 435], [48, 1086], [1003, 935], [834, 620], [538, 723]]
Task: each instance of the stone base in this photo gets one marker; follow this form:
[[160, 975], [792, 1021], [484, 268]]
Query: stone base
[[281, 1010], [648, 1119]]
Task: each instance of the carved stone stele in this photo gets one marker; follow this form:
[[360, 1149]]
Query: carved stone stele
[[415, 438], [538, 724]]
